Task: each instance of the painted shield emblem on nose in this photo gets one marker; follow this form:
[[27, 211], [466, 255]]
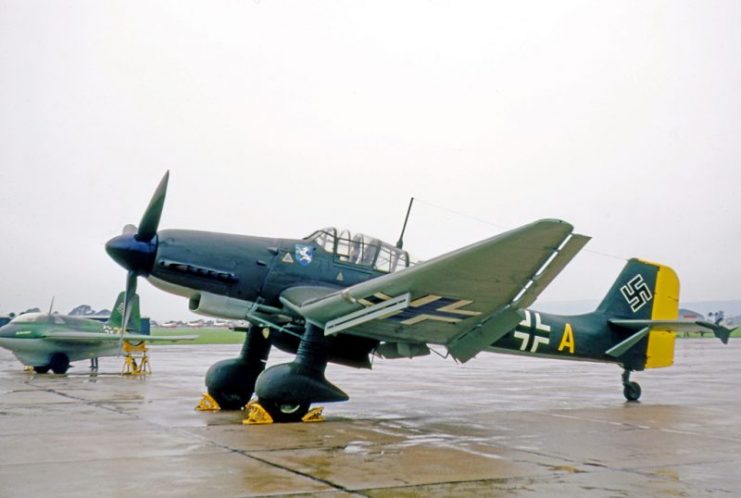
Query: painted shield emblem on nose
[[304, 254]]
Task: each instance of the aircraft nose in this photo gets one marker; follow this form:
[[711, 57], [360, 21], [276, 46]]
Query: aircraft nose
[[131, 253], [7, 331]]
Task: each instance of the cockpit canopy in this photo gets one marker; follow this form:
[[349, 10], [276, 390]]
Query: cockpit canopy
[[46, 318], [37, 318], [361, 249]]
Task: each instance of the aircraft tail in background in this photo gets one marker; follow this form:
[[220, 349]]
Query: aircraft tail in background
[[135, 322]]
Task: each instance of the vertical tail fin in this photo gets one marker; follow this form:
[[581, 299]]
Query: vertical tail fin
[[643, 291], [116, 318], [646, 291]]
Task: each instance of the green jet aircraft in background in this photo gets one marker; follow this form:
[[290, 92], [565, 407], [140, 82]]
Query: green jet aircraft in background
[[334, 297], [49, 341]]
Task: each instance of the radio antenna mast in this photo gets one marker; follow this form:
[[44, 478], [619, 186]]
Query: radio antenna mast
[[400, 242]]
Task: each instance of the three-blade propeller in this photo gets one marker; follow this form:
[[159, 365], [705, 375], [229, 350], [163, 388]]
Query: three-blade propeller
[[135, 248]]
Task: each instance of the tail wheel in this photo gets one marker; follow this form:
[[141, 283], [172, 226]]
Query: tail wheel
[[632, 391], [42, 369], [59, 363]]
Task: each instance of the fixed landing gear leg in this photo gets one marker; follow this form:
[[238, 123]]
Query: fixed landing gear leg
[[231, 382], [287, 391], [631, 390]]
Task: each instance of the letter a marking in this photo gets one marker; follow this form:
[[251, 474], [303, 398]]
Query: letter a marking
[[567, 339]]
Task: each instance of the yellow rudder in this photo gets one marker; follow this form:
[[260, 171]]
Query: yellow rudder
[[660, 351]]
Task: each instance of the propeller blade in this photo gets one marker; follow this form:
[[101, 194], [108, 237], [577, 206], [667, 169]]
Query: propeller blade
[[126, 314], [151, 217], [129, 229]]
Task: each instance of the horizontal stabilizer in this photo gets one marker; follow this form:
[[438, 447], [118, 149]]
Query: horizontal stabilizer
[[721, 332], [623, 347]]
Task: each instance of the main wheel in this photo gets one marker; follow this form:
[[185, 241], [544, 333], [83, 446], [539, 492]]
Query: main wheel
[[42, 369], [632, 391], [285, 411], [59, 363], [232, 382]]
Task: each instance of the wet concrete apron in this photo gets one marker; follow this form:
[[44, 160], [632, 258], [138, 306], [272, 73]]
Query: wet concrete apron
[[498, 425]]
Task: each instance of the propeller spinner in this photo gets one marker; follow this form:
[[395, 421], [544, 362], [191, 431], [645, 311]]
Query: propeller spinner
[[135, 248]]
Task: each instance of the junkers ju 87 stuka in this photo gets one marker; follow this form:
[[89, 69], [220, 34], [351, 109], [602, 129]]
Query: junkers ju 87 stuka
[[337, 297]]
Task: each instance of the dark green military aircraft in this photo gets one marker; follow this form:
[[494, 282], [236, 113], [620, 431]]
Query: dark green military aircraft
[[334, 297], [47, 341]]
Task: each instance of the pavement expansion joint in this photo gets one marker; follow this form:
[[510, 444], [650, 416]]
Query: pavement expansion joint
[[87, 402], [293, 471], [297, 448]]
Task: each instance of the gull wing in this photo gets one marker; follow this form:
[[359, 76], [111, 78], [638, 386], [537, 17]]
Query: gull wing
[[465, 299]]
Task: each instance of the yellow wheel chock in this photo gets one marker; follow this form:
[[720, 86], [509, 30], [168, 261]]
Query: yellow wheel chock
[[258, 415], [314, 415], [208, 404], [132, 352]]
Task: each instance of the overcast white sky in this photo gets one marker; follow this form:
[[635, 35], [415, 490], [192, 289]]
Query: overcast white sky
[[276, 118]]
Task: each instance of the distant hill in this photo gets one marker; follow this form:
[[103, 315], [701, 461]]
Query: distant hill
[[82, 310], [731, 307], [85, 310]]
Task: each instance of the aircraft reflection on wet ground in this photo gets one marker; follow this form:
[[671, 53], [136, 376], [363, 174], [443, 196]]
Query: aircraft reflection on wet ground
[[499, 424]]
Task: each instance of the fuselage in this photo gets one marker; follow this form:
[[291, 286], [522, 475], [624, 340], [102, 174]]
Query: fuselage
[[257, 270], [580, 337]]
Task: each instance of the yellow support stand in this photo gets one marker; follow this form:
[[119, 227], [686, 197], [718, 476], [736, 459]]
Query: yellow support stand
[[208, 404], [133, 352]]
